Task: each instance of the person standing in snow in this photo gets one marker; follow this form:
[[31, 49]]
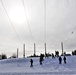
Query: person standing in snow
[[53, 56], [41, 59], [64, 59], [60, 60], [31, 63]]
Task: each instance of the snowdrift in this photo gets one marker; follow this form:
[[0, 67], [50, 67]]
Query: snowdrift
[[21, 66]]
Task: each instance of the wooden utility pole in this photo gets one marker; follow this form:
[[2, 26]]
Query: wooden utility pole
[[17, 52], [23, 50], [34, 49], [62, 47]]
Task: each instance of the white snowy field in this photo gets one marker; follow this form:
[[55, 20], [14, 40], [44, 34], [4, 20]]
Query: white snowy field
[[21, 66]]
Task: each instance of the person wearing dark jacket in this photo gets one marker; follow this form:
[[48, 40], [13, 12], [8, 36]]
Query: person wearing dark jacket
[[41, 59], [64, 59], [31, 63], [60, 60]]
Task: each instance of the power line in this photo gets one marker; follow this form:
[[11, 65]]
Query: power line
[[70, 34], [10, 21], [65, 41], [27, 21]]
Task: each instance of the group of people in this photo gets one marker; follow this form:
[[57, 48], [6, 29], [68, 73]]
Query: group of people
[[60, 59], [41, 59]]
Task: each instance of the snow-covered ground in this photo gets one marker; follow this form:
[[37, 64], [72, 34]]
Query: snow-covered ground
[[21, 66]]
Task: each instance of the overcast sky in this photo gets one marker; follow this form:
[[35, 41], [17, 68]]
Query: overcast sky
[[29, 27]]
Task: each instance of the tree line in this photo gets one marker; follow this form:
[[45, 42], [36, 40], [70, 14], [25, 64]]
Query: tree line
[[4, 56]]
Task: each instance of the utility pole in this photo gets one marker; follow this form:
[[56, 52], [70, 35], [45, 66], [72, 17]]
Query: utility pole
[[62, 47], [17, 52], [45, 49], [34, 49], [23, 50], [45, 25]]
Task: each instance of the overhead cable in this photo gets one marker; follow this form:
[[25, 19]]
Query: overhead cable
[[27, 21], [11, 22], [70, 34]]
